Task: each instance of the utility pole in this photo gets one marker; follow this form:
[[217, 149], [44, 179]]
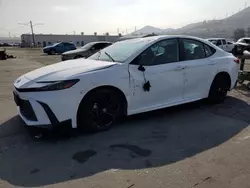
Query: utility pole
[[32, 31]]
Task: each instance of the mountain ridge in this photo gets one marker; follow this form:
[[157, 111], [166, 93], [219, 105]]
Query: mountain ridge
[[208, 28]]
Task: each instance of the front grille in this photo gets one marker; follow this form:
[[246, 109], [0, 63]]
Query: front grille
[[27, 110]]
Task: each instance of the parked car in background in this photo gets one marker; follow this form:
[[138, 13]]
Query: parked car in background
[[59, 48], [128, 77], [242, 48], [85, 51], [244, 40], [5, 44], [222, 43]]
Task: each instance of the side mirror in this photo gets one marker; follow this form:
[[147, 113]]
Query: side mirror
[[141, 68]]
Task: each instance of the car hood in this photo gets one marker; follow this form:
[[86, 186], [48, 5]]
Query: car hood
[[66, 69], [241, 43], [47, 47], [80, 50]]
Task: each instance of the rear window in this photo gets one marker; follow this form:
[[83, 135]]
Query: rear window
[[209, 50]]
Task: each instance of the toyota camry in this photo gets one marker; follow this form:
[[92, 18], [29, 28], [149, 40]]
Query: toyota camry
[[128, 77]]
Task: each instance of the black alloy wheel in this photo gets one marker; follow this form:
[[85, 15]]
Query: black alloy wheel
[[219, 89], [100, 110]]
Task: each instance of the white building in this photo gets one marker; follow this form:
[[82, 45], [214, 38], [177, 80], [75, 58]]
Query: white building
[[42, 40]]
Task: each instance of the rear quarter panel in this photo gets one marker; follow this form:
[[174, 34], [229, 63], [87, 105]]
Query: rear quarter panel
[[225, 63]]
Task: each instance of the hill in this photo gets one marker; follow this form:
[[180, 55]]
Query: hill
[[148, 30], [208, 28]]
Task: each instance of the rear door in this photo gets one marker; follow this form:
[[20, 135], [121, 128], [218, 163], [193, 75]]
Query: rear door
[[68, 47], [199, 68]]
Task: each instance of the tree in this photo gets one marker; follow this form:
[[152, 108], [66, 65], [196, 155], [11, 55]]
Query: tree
[[107, 34], [82, 33], [239, 33], [95, 33]]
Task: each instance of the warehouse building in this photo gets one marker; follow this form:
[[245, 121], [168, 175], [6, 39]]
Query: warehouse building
[[42, 40]]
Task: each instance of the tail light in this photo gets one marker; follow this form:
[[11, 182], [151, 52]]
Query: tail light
[[237, 61]]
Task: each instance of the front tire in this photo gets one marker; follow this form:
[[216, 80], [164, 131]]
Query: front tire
[[100, 110], [219, 89], [52, 52]]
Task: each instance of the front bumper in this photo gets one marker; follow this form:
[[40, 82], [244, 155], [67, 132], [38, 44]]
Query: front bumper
[[66, 57], [46, 109]]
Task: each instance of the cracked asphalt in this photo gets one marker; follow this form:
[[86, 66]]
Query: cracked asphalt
[[189, 146]]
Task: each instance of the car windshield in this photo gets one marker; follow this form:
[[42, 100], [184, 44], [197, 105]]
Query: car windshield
[[55, 44], [120, 51], [88, 46]]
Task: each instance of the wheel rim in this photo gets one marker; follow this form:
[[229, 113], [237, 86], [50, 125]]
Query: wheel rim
[[104, 110], [222, 91]]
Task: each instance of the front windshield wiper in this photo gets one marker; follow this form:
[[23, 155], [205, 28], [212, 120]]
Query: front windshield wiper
[[109, 56]]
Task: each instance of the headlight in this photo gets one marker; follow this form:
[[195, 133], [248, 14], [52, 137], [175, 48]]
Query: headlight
[[52, 86], [57, 85]]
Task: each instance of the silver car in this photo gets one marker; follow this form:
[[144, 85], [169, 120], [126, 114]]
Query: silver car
[[85, 51]]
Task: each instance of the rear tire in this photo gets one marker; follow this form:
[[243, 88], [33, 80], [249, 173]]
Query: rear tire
[[100, 110], [219, 89]]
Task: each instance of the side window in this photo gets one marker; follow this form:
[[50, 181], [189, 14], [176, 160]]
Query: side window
[[229, 43], [193, 49], [60, 45], [247, 41], [209, 50], [218, 43], [100, 46], [224, 42], [162, 52], [107, 44]]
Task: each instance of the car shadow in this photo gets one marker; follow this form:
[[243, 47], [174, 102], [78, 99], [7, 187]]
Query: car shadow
[[142, 141]]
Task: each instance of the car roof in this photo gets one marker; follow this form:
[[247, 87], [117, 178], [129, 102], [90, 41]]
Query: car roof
[[100, 42], [216, 39], [161, 37], [244, 38]]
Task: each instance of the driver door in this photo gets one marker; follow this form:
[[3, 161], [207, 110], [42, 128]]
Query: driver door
[[163, 71], [60, 48]]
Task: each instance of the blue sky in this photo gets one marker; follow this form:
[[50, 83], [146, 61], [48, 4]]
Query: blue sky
[[89, 16]]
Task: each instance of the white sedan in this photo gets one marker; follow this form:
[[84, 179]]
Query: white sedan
[[128, 77]]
